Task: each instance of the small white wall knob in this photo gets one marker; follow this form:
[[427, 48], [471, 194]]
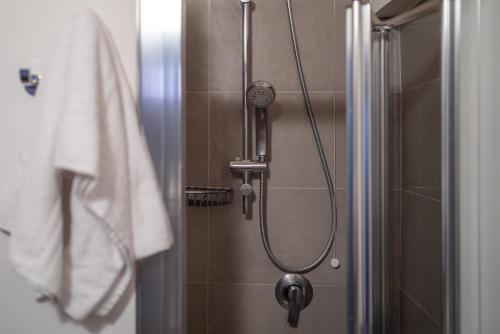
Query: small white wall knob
[[335, 263]]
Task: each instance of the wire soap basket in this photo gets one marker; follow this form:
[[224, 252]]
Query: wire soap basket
[[200, 196]]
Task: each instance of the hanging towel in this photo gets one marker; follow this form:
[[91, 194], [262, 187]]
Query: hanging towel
[[86, 142]]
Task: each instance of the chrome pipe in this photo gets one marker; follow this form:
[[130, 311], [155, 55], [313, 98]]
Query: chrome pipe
[[360, 186], [366, 182], [246, 4], [247, 152], [449, 63], [381, 175], [352, 272], [377, 176], [384, 180]]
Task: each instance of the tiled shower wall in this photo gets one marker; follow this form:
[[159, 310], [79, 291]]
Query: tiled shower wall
[[231, 280], [420, 196]]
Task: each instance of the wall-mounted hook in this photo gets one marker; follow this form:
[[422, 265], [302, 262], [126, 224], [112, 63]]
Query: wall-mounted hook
[[29, 80]]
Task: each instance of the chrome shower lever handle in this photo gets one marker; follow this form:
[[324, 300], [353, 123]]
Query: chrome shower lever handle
[[294, 292], [295, 304]]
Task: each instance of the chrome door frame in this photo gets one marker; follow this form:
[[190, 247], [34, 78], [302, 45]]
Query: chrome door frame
[[361, 306], [381, 157], [449, 159], [362, 197], [161, 283]]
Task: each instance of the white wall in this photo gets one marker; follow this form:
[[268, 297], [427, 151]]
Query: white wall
[[28, 32], [479, 166]]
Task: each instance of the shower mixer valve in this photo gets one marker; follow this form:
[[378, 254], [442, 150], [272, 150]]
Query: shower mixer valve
[[294, 292]]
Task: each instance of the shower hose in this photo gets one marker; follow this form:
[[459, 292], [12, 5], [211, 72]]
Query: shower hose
[[324, 164]]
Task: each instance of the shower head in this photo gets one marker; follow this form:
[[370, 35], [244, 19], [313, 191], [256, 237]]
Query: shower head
[[261, 94]]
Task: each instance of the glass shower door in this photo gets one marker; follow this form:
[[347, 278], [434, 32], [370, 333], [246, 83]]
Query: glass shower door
[[394, 163]]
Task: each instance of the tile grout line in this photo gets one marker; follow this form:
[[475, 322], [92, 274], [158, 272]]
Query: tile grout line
[[421, 195], [333, 285], [328, 91], [420, 85], [419, 306]]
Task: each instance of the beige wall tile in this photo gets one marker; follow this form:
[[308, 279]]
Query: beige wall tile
[[340, 140], [340, 49], [272, 52], [197, 308], [197, 244], [197, 39], [421, 251], [251, 309], [421, 131], [225, 45], [294, 159], [395, 319], [197, 138], [225, 136], [299, 223], [395, 177], [395, 203], [421, 51], [414, 320]]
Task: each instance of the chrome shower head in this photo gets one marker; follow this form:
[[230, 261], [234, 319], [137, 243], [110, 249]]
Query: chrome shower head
[[261, 94]]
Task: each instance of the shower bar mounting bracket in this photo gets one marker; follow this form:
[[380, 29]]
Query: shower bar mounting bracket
[[247, 166]]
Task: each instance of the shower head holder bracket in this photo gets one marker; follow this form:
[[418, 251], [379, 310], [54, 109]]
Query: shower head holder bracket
[[239, 166]]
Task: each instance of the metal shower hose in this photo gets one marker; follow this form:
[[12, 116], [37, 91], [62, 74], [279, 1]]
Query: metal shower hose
[[324, 164]]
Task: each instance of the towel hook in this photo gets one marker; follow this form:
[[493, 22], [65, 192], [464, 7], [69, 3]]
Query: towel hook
[[29, 80]]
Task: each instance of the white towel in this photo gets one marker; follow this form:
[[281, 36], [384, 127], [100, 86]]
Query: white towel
[[87, 137]]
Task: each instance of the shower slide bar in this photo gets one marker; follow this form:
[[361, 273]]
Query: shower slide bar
[[410, 15], [246, 188], [245, 165]]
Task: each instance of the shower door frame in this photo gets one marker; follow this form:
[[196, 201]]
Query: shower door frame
[[449, 171], [364, 199], [361, 196], [161, 282]]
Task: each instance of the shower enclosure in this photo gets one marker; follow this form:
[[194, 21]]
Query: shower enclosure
[[374, 89]]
